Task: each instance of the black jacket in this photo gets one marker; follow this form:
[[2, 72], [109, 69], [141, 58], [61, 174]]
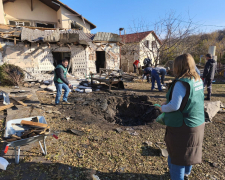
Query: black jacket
[[60, 73], [210, 68]]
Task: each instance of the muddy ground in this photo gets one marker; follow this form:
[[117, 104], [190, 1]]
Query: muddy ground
[[112, 130]]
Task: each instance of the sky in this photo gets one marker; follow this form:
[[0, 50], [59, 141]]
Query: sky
[[110, 15]]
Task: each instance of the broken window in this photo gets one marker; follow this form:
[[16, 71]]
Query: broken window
[[19, 23], [74, 25], [45, 25]]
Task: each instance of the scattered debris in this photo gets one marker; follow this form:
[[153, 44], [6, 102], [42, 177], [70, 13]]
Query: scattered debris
[[133, 133], [95, 177], [119, 130], [78, 133], [211, 109], [148, 143]]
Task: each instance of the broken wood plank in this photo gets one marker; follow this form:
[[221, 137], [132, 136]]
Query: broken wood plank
[[14, 40], [35, 124], [6, 107], [20, 102]]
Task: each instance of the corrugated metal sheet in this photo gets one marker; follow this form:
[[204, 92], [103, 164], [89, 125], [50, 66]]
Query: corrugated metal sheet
[[103, 36], [33, 35]]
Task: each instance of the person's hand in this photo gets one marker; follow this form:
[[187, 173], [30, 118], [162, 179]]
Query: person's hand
[[69, 85], [160, 108]]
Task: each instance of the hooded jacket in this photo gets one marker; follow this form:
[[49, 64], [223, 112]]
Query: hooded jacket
[[210, 68]]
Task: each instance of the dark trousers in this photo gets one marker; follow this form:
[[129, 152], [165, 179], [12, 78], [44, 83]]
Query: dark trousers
[[208, 83], [135, 68], [155, 77], [162, 73]]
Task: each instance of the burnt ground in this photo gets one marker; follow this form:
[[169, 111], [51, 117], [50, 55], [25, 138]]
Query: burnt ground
[[104, 151]]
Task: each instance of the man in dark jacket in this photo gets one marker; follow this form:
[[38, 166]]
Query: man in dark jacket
[[61, 81], [208, 74], [147, 73]]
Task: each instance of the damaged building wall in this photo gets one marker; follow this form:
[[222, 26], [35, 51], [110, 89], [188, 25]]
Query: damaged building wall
[[78, 59], [112, 56], [31, 58], [38, 58]]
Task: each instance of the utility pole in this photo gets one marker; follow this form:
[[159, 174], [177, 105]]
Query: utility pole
[[120, 29]]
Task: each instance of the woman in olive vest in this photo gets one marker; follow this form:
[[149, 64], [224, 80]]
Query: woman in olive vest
[[184, 118]]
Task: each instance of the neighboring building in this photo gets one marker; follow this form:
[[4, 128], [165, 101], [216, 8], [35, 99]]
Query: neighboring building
[[138, 46], [42, 13]]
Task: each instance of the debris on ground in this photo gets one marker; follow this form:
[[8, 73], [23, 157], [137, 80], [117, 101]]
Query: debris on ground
[[3, 163], [211, 109], [77, 132]]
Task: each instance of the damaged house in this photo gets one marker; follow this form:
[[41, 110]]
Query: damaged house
[[37, 34], [138, 46]]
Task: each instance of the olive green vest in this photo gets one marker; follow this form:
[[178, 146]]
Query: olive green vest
[[56, 78], [193, 112]]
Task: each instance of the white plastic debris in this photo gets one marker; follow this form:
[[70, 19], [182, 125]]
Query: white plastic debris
[[51, 88], [79, 90], [3, 163], [88, 90], [95, 177]]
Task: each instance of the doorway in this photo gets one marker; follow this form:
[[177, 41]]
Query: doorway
[[100, 60], [59, 56]]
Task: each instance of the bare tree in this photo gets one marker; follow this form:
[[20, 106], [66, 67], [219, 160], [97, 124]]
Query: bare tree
[[173, 36]]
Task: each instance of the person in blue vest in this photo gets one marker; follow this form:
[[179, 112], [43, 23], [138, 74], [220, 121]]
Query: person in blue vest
[[155, 77], [61, 82], [184, 118]]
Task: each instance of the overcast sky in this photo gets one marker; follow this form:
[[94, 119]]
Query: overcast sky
[[110, 15]]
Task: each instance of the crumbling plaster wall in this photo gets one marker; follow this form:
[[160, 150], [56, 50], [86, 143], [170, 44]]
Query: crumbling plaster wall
[[31, 58]]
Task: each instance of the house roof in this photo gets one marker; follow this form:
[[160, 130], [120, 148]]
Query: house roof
[[138, 37], [55, 4]]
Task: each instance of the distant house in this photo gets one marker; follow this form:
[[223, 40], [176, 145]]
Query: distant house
[[42, 13], [138, 46]]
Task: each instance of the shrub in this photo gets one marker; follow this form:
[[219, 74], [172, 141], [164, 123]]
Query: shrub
[[11, 75]]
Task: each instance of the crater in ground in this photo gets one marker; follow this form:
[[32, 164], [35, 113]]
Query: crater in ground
[[125, 110]]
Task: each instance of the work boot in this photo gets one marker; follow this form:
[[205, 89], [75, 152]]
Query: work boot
[[207, 99], [66, 102]]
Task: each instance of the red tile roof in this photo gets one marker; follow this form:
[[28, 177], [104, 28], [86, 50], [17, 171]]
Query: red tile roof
[[137, 37]]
